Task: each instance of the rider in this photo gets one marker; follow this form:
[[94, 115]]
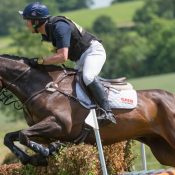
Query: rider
[[71, 42]]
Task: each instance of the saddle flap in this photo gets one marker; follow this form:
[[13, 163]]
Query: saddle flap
[[119, 96]]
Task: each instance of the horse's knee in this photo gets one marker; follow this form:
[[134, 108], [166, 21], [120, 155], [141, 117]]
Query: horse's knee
[[23, 139], [11, 137], [7, 139]]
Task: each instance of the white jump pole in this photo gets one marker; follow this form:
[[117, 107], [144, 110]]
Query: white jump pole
[[143, 153], [92, 121]]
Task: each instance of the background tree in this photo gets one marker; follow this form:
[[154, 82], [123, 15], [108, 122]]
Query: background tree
[[73, 4], [9, 17], [126, 56], [161, 8], [161, 39], [104, 25]]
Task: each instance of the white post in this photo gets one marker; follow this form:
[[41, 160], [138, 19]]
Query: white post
[[144, 163], [92, 121]]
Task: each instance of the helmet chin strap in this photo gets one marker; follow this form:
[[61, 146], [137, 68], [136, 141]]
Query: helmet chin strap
[[36, 25]]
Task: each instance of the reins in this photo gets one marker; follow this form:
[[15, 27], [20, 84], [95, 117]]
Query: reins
[[16, 102], [6, 97]]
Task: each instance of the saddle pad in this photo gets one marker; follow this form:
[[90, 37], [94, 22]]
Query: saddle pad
[[118, 99], [122, 99]]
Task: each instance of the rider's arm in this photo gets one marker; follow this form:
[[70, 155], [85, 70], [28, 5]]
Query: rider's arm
[[62, 35], [59, 57]]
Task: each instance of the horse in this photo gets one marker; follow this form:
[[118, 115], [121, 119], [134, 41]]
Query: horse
[[55, 118]]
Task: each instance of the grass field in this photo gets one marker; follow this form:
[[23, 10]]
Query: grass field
[[165, 82], [120, 13]]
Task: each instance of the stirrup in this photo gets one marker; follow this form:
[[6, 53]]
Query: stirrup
[[107, 115]]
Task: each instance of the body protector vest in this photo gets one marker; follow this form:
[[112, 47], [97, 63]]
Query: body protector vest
[[80, 39]]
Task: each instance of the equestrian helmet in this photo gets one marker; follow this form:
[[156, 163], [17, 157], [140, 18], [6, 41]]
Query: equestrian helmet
[[35, 11]]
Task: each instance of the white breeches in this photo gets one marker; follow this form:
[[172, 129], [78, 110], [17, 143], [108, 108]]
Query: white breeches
[[91, 62]]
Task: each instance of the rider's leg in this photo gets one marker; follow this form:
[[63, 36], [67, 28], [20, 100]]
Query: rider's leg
[[93, 61], [98, 91]]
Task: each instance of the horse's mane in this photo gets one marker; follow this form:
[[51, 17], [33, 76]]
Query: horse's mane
[[13, 57], [48, 68]]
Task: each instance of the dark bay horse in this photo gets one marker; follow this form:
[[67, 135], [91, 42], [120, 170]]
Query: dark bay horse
[[55, 116]]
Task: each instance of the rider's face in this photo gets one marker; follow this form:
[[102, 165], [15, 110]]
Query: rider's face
[[30, 26]]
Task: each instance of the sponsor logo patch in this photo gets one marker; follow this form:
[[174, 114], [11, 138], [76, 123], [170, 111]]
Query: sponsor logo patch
[[127, 100]]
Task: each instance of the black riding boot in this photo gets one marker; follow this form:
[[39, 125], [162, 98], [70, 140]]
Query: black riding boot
[[98, 92]]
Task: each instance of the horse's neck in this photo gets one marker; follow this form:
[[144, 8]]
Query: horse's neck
[[10, 73], [32, 81]]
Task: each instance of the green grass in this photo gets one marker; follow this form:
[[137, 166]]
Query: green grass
[[120, 13], [165, 82]]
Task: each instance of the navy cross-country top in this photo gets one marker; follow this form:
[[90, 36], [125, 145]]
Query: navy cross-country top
[[61, 35], [64, 33]]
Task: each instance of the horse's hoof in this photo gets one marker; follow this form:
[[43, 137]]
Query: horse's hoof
[[25, 160], [38, 160]]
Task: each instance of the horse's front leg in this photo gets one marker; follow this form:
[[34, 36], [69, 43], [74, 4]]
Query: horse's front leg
[[9, 142], [47, 129]]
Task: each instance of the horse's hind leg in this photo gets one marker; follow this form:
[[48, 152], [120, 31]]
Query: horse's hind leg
[[162, 150], [167, 119]]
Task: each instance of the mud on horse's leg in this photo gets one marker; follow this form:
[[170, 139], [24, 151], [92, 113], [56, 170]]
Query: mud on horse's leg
[[8, 141]]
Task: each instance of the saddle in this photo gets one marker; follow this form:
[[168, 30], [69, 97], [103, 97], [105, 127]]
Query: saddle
[[116, 88], [120, 93]]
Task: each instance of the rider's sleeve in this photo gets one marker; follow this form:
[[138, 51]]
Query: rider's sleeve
[[62, 34]]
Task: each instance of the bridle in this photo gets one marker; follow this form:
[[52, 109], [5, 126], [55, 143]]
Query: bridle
[[5, 96]]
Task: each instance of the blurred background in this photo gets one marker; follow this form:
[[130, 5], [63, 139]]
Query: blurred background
[[138, 35]]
